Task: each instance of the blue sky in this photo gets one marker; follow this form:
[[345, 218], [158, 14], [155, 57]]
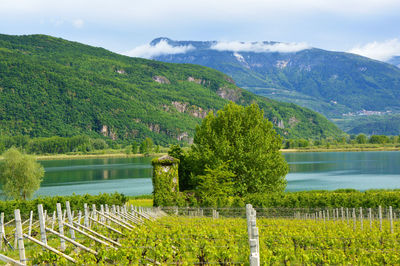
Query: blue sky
[[367, 27]]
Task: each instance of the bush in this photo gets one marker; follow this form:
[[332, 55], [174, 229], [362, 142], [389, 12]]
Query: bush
[[49, 203]]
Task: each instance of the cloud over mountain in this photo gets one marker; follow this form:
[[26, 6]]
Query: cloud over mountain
[[160, 48], [259, 47], [379, 50]]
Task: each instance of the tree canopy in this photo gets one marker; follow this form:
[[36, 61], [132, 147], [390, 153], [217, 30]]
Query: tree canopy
[[243, 140], [20, 174]]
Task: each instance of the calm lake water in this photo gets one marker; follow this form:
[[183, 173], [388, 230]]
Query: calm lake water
[[308, 171]]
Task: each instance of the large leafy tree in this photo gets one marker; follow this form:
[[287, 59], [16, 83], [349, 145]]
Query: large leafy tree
[[246, 142], [20, 174]]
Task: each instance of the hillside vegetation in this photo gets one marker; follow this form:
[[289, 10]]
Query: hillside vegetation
[[331, 83], [50, 86]]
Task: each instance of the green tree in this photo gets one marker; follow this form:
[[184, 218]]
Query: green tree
[[361, 139], [135, 147], [20, 174], [146, 146], [246, 142], [215, 185]]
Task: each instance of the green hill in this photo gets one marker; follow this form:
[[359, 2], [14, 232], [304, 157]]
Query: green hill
[[50, 86]]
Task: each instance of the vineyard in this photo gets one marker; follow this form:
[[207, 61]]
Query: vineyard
[[125, 235]]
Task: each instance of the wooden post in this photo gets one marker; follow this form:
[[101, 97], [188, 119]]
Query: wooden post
[[10, 260], [102, 219], [90, 236], [70, 219], [347, 215], [98, 235], [391, 219], [380, 217], [71, 241], [61, 225], [53, 220], [342, 211], [79, 216], [370, 217], [354, 219], [86, 219], [18, 233], [2, 232], [94, 212], [361, 219], [42, 224], [49, 248], [30, 223]]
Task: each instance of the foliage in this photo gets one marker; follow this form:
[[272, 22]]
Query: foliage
[[216, 184], [146, 146], [52, 87], [186, 181], [331, 83], [323, 199], [245, 141], [49, 203], [52, 145], [384, 124], [224, 241], [165, 182], [20, 174]]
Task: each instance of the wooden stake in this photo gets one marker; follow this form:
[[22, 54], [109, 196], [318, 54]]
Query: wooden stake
[[10, 260], [42, 224], [114, 220], [18, 233], [49, 248], [70, 219], [107, 226], [354, 219], [98, 235], [342, 211], [30, 223], [89, 236], [361, 219], [61, 225], [380, 218], [2, 232], [79, 245], [391, 219], [86, 212], [370, 217]]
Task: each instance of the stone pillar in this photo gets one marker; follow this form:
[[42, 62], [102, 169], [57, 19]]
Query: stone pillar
[[165, 181]]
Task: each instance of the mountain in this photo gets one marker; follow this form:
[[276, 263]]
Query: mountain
[[331, 83], [395, 60], [50, 86]]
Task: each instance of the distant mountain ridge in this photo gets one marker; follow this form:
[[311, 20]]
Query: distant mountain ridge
[[332, 83], [395, 60], [50, 86]]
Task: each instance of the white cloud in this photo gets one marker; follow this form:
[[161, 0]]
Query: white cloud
[[162, 47], [78, 23], [379, 50], [259, 47]]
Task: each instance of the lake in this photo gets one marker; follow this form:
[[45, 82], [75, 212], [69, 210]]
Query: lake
[[308, 171]]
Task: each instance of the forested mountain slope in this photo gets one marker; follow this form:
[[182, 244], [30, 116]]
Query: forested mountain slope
[[331, 83], [50, 86]]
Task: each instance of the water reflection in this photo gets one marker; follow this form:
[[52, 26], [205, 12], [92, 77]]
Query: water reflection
[[308, 171]]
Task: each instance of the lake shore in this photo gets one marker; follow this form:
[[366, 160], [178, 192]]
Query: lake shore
[[342, 149], [91, 156]]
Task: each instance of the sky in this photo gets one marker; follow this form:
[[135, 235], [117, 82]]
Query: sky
[[367, 27]]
